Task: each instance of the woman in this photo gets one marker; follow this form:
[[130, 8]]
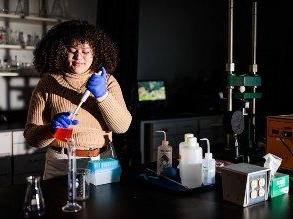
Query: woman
[[67, 57]]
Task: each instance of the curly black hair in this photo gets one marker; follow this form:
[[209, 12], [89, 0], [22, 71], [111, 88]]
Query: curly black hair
[[50, 56]]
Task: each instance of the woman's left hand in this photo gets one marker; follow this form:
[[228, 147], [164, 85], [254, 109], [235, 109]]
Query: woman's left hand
[[97, 83]]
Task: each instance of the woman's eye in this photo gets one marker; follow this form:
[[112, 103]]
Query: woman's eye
[[72, 50]]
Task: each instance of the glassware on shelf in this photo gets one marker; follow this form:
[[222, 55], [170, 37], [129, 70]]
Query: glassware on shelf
[[59, 9], [6, 64], [14, 64], [33, 7], [34, 204], [8, 35], [21, 38], [43, 8], [1, 64], [12, 37], [22, 7], [3, 11], [3, 35], [71, 205], [29, 40]]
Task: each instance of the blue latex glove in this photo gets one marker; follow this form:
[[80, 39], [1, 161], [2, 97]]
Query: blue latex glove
[[97, 84], [62, 120]]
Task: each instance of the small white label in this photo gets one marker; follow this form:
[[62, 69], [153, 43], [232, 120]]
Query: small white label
[[281, 182]]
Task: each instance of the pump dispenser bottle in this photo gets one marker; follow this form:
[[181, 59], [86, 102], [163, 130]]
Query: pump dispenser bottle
[[208, 166], [164, 157], [191, 164]]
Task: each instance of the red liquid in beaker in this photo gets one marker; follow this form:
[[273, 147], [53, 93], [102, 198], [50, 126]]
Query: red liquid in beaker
[[63, 134]]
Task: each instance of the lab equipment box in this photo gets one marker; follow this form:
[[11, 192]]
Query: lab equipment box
[[280, 139], [279, 185], [245, 184]]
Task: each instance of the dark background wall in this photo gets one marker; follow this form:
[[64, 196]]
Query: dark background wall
[[182, 43], [185, 44]]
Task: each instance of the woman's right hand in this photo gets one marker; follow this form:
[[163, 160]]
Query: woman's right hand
[[97, 83], [62, 120]]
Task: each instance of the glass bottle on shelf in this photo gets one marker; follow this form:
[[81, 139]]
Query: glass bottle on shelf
[[12, 37], [1, 64], [21, 38], [22, 7], [2, 35], [58, 9], [8, 35], [6, 64], [16, 37], [15, 64], [29, 40], [43, 8]]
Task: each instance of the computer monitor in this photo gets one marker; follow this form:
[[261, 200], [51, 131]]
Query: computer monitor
[[151, 90]]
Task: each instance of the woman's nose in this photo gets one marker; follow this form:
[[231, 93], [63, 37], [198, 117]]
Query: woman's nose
[[77, 55]]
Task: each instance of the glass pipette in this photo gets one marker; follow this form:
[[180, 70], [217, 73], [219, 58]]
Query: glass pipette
[[83, 99]]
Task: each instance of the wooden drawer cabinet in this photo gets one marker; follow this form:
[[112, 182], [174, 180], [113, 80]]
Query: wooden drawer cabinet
[[17, 159]]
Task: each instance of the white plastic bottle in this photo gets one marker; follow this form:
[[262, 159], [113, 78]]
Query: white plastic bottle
[[164, 157], [183, 144], [191, 164], [208, 166]]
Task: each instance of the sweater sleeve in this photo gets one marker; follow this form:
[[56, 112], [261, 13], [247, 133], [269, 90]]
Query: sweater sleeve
[[113, 108], [37, 131]]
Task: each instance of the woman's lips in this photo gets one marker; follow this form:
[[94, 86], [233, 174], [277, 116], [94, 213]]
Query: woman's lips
[[77, 64]]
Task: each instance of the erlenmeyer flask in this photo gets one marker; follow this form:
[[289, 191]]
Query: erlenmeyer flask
[[71, 205], [34, 204]]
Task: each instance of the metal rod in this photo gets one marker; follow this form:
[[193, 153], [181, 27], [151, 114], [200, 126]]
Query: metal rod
[[253, 36], [253, 66], [230, 32], [230, 64]]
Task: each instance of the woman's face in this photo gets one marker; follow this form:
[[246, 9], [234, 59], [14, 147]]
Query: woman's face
[[79, 57]]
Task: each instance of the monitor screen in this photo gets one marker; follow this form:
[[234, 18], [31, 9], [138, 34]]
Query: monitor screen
[[151, 90]]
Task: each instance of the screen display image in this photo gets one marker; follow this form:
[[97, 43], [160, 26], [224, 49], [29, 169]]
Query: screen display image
[[151, 90]]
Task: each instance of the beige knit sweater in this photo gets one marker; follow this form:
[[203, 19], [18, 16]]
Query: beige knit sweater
[[56, 93]]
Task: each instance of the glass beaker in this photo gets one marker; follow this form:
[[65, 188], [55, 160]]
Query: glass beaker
[[71, 205], [82, 184], [34, 204], [63, 134]]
